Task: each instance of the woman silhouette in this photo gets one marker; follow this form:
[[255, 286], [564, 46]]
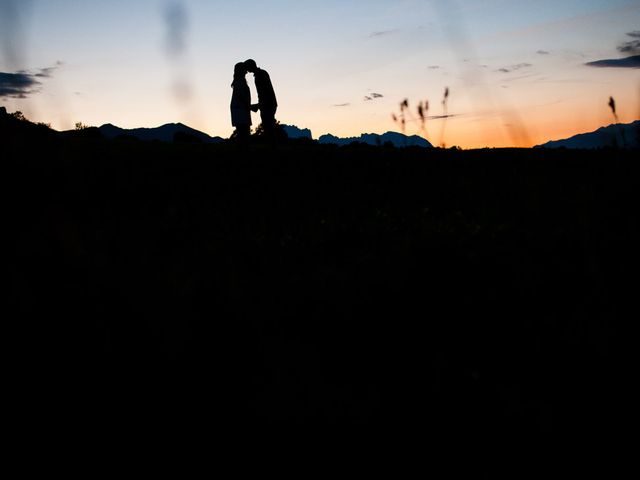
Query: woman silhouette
[[241, 103]]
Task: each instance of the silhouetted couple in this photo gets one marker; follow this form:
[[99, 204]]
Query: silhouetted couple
[[241, 106]]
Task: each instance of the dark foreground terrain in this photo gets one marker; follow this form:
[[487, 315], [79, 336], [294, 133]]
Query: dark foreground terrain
[[462, 292]]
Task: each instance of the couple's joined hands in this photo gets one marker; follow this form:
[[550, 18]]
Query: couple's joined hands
[[255, 107]]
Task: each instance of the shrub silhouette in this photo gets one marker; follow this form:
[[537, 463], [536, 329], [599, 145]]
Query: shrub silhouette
[[259, 134], [86, 133], [18, 115]]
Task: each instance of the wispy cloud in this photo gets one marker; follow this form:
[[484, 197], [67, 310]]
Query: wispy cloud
[[439, 117], [543, 52], [48, 71], [513, 68], [631, 47], [627, 62], [382, 33], [342, 105], [531, 76], [373, 96]]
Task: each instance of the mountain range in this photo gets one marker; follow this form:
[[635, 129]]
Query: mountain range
[[166, 133], [613, 136], [620, 135], [179, 132], [395, 138]]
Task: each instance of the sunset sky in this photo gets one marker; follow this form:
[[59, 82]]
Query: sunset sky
[[518, 71]]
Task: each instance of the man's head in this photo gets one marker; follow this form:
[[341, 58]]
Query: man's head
[[251, 65]]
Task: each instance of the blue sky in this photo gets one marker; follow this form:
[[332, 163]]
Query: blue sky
[[517, 70]]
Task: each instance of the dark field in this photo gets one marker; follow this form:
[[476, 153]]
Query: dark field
[[447, 291]]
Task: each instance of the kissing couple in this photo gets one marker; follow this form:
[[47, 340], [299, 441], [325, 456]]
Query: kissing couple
[[241, 106]]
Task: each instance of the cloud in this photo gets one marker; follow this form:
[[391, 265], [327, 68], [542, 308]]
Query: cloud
[[543, 52], [373, 96], [382, 33], [439, 117], [18, 85], [631, 47], [627, 62], [342, 105], [433, 67], [48, 71], [517, 78], [513, 68], [21, 84]]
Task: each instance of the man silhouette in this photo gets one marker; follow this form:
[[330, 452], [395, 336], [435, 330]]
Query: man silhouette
[[267, 103]]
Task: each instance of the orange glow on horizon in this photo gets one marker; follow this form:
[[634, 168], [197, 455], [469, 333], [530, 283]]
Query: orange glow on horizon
[[523, 126]]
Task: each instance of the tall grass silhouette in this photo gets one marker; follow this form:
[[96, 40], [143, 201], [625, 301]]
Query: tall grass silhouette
[[445, 115], [612, 106], [422, 116], [423, 111], [401, 118]]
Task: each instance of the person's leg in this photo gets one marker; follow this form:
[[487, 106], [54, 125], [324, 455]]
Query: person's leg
[[246, 132], [268, 117], [243, 132]]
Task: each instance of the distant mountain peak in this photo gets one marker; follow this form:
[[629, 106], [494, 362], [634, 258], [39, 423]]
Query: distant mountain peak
[[294, 132], [618, 135], [395, 138], [168, 132]]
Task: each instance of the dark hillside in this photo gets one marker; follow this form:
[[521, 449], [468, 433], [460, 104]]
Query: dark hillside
[[459, 291]]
